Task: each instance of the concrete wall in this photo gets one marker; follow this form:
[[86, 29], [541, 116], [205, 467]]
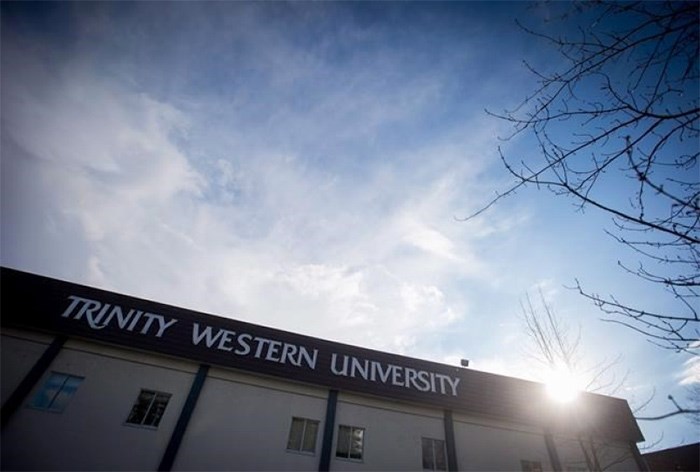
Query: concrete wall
[[19, 351], [609, 456], [489, 445], [393, 433], [242, 422], [615, 457], [91, 432]]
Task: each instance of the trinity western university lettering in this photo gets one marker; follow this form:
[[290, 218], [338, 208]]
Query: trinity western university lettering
[[398, 376], [244, 344], [99, 315]]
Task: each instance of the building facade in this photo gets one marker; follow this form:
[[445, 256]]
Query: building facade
[[680, 459], [94, 380]]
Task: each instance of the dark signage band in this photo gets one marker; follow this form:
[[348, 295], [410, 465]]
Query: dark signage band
[[99, 315], [77, 310]]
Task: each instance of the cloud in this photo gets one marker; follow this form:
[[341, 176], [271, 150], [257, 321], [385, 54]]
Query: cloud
[[428, 239], [691, 371], [105, 155], [138, 202], [307, 193]]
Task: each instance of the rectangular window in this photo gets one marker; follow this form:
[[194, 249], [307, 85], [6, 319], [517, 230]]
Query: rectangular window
[[434, 456], [149, 408], [531, 466], [56, 392], [350, 442], [302, 435]]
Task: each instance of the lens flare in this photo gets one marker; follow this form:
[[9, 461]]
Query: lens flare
[[563, 386]]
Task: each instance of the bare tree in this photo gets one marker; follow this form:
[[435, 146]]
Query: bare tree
[[679, 410], [557, 347], [559, 350], [616, 129]]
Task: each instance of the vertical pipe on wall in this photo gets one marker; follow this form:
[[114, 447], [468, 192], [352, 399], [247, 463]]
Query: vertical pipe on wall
[[328, 428], [450, 441], [168, 459], [32, 377]]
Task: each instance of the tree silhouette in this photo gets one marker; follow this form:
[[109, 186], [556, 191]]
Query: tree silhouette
[[616, 128], [556, 347]]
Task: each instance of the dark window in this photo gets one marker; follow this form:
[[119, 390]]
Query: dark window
[[302, 435], [350, 442], [434, 457], [149, 408], [56, 392]]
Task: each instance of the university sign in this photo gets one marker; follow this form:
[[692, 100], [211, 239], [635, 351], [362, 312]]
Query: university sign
[[38, 302], [99, 315]]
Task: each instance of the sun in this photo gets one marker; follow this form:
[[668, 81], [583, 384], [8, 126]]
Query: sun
[[563, 386]]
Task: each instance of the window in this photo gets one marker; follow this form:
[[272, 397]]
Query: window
[[531, 466], [56, 392], [350, 442], [434, 457], [149, 408], [302, 435]]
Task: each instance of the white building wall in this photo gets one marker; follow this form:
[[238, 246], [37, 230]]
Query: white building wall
[[242, 422], [482, 445], [615, 457], [571, 453], [19, 351], [91, 433], [609, 456], [393, 433]]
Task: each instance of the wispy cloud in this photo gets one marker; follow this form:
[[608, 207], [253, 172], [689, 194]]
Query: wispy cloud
[[159, 199], [691, 371]]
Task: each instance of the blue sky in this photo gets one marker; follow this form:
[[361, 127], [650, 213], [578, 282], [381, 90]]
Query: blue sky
[[304, 166]]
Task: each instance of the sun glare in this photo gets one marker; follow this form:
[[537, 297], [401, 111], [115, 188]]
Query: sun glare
[[563, 386]]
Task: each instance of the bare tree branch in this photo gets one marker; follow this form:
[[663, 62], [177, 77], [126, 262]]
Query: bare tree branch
[[558, 348], [678, 411], [617, 129]]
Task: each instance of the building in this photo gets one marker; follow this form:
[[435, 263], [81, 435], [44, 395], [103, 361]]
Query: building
[[94, 380], [682, 458]]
